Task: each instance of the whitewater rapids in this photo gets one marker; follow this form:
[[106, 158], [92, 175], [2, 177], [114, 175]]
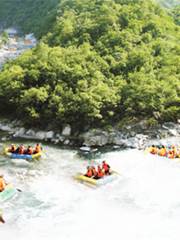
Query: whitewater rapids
[[143, 203]]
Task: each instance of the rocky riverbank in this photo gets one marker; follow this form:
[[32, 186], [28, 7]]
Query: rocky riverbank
[[132, 136], [15, 45]]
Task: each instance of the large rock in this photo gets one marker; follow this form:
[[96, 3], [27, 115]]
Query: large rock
[[41, 135], [49, 135], [66, 130], [20, 132], [95, 138], [6, 127], [173, 132], [119, 141], [169, 125], [30, 134]]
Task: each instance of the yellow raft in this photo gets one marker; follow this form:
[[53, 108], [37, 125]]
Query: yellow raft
[[96, 182]]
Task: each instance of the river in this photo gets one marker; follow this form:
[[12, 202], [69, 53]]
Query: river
[[143, 203]]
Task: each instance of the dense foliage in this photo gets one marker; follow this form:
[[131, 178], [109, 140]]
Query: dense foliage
[[30, 15], [176, 14], [101, 62]]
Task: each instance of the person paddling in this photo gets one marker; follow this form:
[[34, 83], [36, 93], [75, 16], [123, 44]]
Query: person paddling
[[29, 150], [89, 172], [2, 183], [100, 173], [153, 149], [95, 173], [106, 168], [163, 151], [38, 148], [12, 149]]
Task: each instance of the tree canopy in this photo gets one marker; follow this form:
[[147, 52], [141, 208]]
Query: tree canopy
[[100, 62]]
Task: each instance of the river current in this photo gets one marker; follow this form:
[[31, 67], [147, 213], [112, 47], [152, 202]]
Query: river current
[[143, 203]]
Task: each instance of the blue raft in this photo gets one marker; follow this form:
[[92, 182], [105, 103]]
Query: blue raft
[[22, 156]]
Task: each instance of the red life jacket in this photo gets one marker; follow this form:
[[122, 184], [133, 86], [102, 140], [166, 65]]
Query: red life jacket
[[100, 173], [106, 166], [89, 173], [21, 150]]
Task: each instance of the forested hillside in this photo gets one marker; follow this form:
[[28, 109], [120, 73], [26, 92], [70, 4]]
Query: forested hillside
[[173, 7], [101, 63], [29, 15]]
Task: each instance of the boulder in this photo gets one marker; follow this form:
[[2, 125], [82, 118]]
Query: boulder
[[41, 135], [20, 132], [95, 137], [67, 142], [31, 133], [6, 127], [173, 132], [66, 130], [49, 135]]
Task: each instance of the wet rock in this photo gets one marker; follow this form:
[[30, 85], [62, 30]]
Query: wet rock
[[66, 130], [119, 141], [173, 132], [6, 127], [67, 142], [41, 135], [55, 140], [85, 149], [169, 125], [61, 138], [30, 134], [20, 132], [49, 134], [95, 137]]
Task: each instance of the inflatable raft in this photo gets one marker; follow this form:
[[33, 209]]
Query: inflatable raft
[[8, 193], [97, 182], [22, 156]]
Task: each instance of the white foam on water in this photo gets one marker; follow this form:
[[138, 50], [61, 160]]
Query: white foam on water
[[143, 203]]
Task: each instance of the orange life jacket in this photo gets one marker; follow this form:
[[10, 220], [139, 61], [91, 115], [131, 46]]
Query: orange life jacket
[[153, 150], [2, 184], [100, 173], [37, 149], [89, 173], [162, 152]]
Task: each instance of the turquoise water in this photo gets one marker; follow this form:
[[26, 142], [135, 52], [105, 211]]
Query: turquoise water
[[143, 203]]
